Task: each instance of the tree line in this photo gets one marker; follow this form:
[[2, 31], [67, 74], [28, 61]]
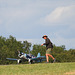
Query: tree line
[[9, 49]]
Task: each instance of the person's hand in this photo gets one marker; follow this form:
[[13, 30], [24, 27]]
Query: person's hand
[[41, 44]]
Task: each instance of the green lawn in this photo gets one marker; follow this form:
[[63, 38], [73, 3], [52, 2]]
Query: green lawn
[[38, 69]]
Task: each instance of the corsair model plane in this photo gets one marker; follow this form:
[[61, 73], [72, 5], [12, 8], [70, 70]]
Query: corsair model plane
[[28, 57]]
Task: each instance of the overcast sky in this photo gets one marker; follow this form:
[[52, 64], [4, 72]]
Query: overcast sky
[[31, 19]]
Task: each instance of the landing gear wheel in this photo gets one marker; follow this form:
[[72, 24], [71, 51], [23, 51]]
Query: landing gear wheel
[[31, 62], [18, 61]]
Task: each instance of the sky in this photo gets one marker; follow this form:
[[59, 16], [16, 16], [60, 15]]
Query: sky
[[31, 19]]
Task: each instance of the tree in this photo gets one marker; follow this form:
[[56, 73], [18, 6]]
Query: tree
[[9, 48], [26, 47], [38, 49]]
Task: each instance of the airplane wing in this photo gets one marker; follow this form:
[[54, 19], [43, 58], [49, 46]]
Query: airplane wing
[[38, 58], [11, 59], [15, 59]]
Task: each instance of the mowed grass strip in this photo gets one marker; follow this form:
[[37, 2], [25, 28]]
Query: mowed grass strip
[[37, 69]]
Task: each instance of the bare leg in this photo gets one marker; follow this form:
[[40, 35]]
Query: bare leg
[[47, 58], [51, 56]]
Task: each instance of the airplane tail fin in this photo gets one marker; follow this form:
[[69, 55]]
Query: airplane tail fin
[[38, 55]]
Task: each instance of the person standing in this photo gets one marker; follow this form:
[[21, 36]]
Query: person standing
[[49, 47]]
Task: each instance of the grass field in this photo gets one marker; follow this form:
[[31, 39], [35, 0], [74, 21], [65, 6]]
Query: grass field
[[39, 69]]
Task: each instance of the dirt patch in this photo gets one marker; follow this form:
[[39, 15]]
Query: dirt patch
[[70, 73]]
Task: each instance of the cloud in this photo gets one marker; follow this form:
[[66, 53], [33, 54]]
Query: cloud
[[0, 21], [60, 16], [16, 19], [17, 13]]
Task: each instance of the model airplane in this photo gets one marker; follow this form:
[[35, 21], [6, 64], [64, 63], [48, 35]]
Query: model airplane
[[28, 57]]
